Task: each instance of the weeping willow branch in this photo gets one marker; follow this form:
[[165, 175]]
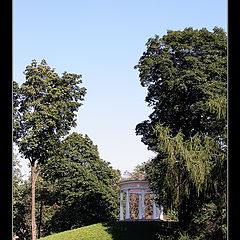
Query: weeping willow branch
[[195, 156]]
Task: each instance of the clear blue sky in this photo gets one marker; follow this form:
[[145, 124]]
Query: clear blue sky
[[102, 40]]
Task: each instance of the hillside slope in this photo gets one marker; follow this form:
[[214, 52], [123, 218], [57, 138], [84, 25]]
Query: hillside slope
[[117, 231]]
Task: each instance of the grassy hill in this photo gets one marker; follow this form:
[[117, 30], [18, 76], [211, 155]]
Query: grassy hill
[[118, 231]]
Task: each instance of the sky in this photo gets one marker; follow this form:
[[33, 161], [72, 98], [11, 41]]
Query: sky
[[103, 40]]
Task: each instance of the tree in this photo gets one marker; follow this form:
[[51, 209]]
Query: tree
[[22, 211], [186, 78], [44, 112], [16, 174], [138, 173], [87, 186], [20, 199]]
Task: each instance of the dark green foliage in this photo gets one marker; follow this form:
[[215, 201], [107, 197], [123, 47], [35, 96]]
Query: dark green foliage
[[46, 104], [16, 174], [87, 190], [74, 188], [20, 198], [185, 73], [46, 205], [210, 222], [44, 111], [142, 230], [22, 210]]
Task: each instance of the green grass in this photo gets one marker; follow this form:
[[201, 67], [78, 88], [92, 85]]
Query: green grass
[[92, 232], [118, 231]]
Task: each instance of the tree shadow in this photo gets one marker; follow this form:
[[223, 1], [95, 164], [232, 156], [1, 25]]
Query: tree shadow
[[142, 230]]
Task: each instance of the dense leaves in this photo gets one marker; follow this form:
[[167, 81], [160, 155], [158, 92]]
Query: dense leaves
[[185, 73], [44, 111], [20, 202], [86, 185], [74, 188], [46, 104]]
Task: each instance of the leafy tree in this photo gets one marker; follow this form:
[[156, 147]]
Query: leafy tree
[[17, 192], [21, 197], [16, 174], [22, 211], [87, 187], [186, 78], [44, 111], [46, 204], [138, 173]]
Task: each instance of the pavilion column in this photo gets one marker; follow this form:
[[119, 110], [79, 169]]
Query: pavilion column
[[127, 205], [161, 212], [154, 216], [142, 205], [121, 205], [156, 210]]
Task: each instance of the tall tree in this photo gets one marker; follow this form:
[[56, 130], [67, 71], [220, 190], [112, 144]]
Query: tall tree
[[87, 186], [185, 73], [45, 106]]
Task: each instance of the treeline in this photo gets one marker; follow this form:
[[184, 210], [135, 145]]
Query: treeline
[[74, 189], [185, 73], [70, 185]]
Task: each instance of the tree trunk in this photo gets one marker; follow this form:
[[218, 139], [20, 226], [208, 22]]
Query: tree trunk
[[40, 218], [33, 206]]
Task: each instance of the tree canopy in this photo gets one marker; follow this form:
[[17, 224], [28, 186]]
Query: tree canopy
[[87, 186], [46, 104], [185, 73], [45, 108], [186, 78], [75, 187]]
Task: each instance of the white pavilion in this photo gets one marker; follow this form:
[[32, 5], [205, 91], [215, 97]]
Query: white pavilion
[[141, 188]]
